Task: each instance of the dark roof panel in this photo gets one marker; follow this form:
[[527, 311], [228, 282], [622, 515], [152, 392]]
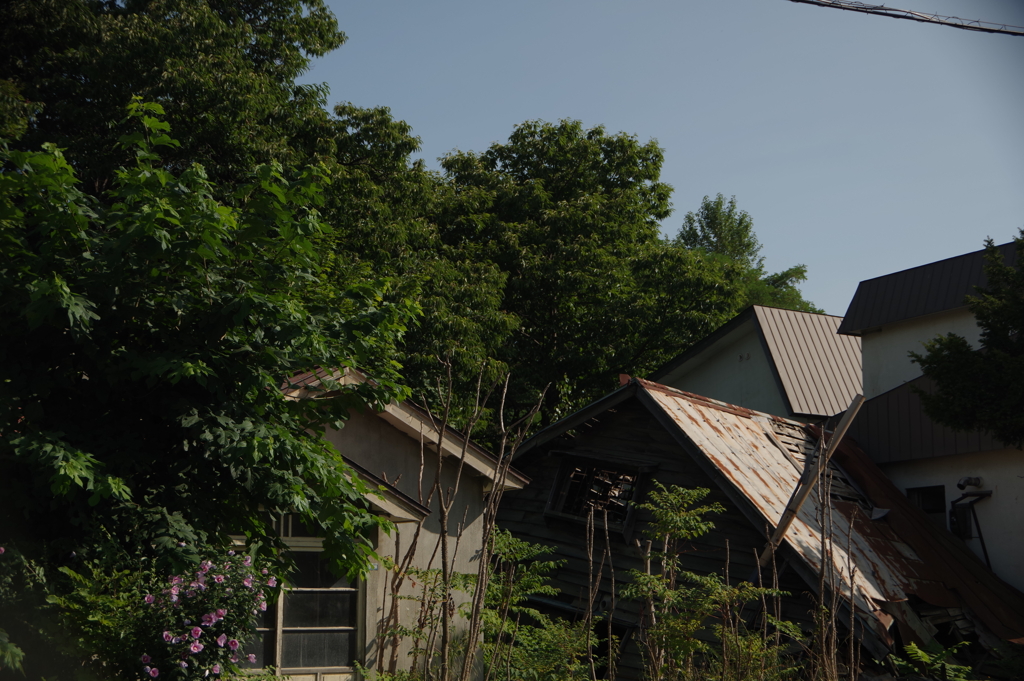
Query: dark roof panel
[[919, 291]]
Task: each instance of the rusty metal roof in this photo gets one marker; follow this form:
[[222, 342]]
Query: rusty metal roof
[[880, 550], [918, 291]]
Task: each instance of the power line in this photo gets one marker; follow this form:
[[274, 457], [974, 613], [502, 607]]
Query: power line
[[923, 17]]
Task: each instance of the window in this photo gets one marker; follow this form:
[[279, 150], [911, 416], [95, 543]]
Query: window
[[581, 487], [313, 627], [931, 500]]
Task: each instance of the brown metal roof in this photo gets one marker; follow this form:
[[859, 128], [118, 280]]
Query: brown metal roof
[[820, 371], [919, 291], [894, 427]]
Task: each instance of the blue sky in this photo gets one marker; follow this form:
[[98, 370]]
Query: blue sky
[[860, 145]]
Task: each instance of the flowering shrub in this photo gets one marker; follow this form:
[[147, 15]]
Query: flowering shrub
[[139, 624], [200, 621]]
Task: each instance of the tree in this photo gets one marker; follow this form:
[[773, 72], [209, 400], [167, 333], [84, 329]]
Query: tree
[[570, 217], [227, 67], [721, 229], [146, 341], [983, 389]]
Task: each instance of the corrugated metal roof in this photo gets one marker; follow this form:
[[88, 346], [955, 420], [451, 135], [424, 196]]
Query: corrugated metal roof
[[918, 291], [743, 447], [820, 371], [877, 561]]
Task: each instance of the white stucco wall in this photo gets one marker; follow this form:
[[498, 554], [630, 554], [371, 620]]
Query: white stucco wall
[[736, 371], [1001, 516], [886, 363]]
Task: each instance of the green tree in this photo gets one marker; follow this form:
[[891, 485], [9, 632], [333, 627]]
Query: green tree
[[146, 342], [228, 68], [570, 217], [983, 389], [721, 229]]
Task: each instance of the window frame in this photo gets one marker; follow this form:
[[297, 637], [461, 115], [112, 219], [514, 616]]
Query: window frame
[[569, 462], [307, 544]]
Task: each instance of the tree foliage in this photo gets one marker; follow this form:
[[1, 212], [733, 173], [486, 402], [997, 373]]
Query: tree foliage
[[983, 389], [147, 339], [721, 229], [227, 67], [570, 218]]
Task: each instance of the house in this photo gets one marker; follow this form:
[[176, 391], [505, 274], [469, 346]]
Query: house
[[902, 578], [323, 624], [772, 360], [966, 482]]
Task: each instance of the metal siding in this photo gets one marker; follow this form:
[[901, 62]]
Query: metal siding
[[820, 370], [918, 291]]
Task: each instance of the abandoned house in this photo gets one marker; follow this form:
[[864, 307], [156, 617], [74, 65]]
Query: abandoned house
[[772, 360], [322, 625], [966, 482], [909, 580]]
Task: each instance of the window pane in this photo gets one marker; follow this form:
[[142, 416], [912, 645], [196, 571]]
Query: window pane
[[316, 649], [312, 572], [319, 609]]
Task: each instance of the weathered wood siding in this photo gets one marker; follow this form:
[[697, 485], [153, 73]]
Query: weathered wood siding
[[629, 436]]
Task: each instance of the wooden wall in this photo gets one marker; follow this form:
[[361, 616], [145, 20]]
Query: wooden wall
[[629, 436]]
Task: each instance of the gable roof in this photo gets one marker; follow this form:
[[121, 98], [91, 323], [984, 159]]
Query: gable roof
[[817, 371], [918, 291], [895, 551], [413, 422]]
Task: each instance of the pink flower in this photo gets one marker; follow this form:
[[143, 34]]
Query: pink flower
[[145, 659], [209, 619], [174, 599], [222, 639], [175, 590], [2, 549], [196, 647], [221, 612], [219, 579], [183, 664], [263, 605], [248, 561], [272, 582], [234, 658], [215, 669], [251, 657], [168, 636], [233, 644], [248, 581], [196, 632], [231, 553], [154, 672], [265, 571], [175, 580]]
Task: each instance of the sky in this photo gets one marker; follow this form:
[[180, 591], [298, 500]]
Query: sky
[[860, 145]]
